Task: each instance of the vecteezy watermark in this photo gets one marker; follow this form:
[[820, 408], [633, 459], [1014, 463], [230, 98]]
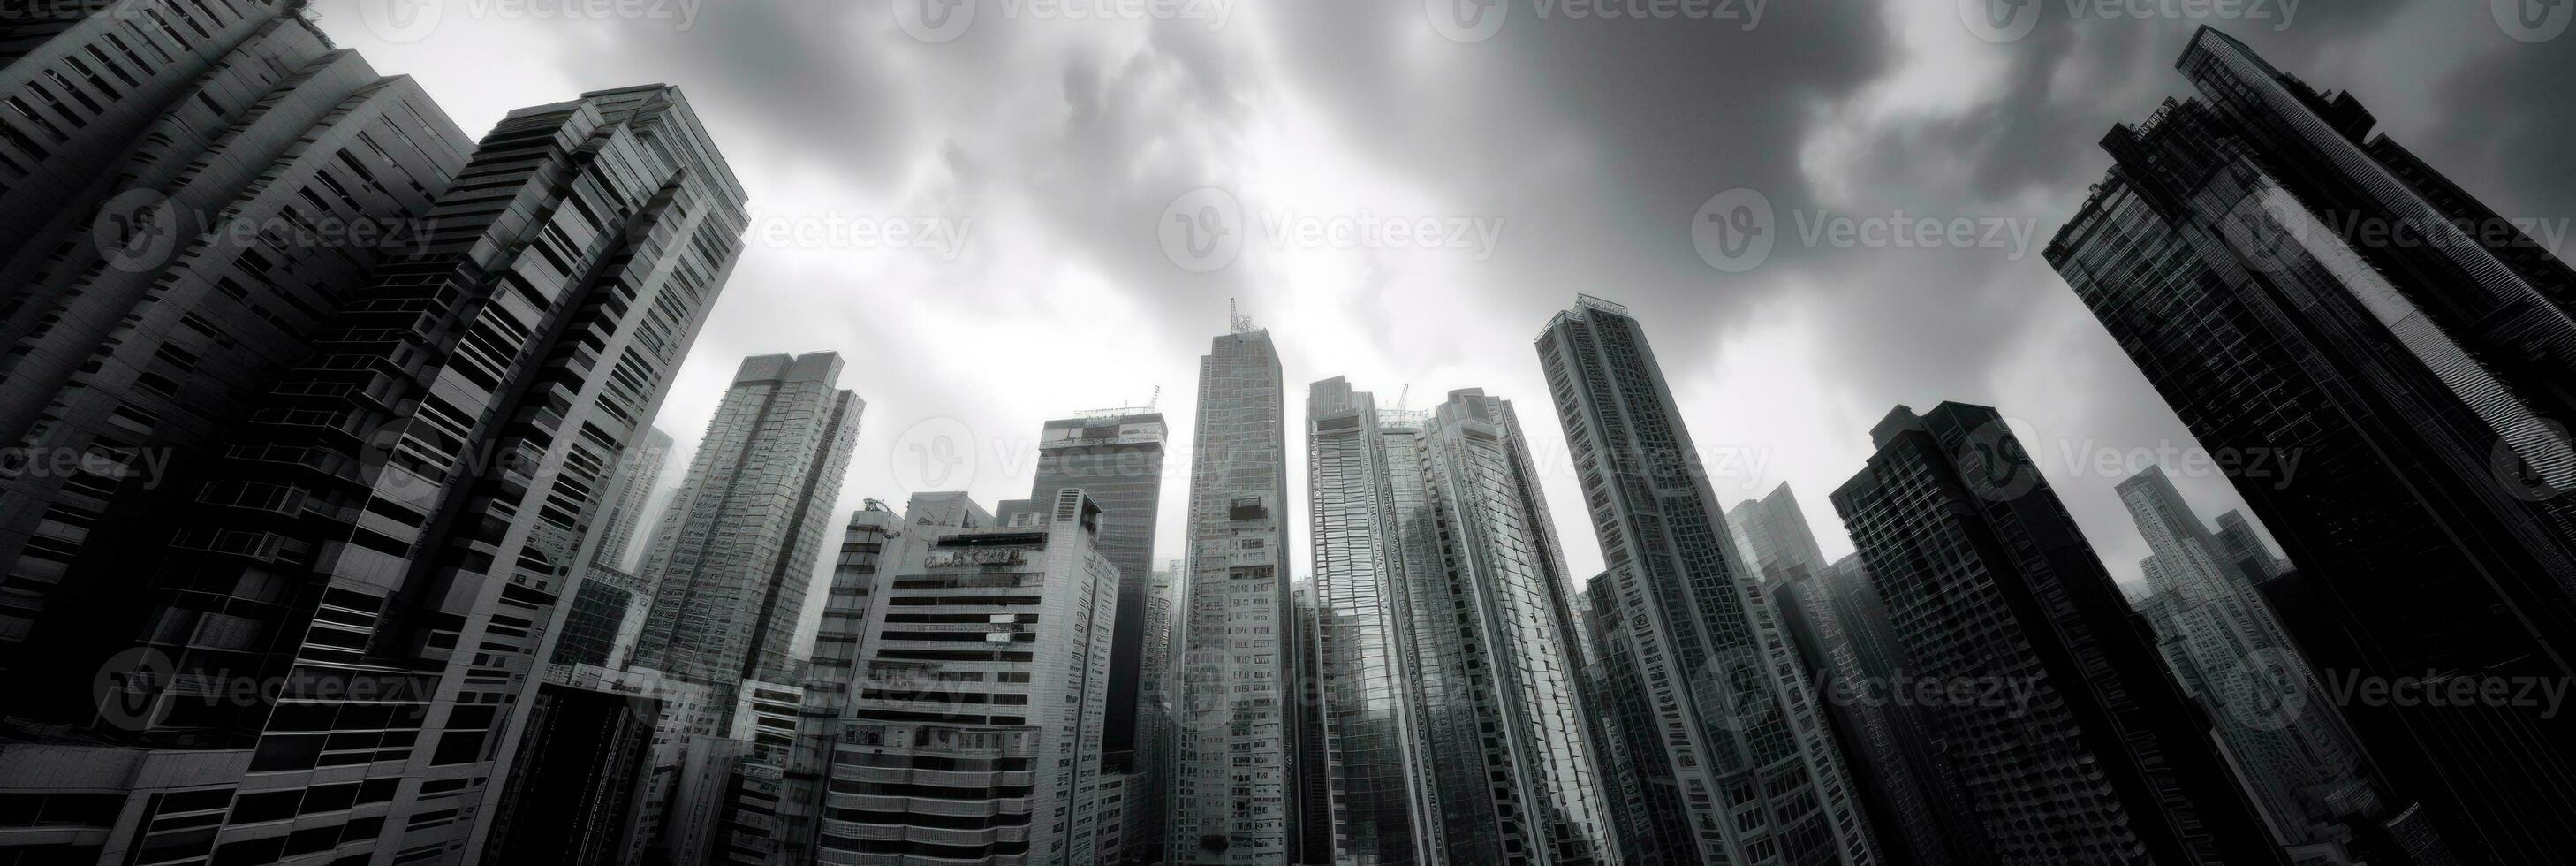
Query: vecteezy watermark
[[147, 465], [2010, 20], [934, 454], [1204, 229], [1479, 20], [136, 689], [2272, 230], [1736, 230], [402, 21], [945, 20], [831, 230], [2534, 21], [141, 230], [2437, 690]]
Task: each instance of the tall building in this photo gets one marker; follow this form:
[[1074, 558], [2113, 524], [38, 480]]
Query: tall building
[[606, 615], [1775, 536], [1827, 611], [1116, 458], [1543, 795], [571, 798], [1374, 746], [1233, 801], [2296, 285], [2241, 550], [391, 533], [2087, 752], [641, 468], [1149, 797], [188, 194], [742, 539], [1717, 717], [831, 679], [982, 692], [2284, 734]]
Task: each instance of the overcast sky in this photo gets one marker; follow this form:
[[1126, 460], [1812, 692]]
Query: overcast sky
[[976, 205]]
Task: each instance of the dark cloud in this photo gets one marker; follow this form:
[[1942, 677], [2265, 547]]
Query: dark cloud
[[1597, 140]]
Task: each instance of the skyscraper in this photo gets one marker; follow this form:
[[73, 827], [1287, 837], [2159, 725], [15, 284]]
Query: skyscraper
[[1536, 790], [832, 680], [2297, 287], [2284, 734], [2084, 751], [641, 469], [2243, 553], [1374, 746], [1149, 798], [160, 268], [1746, 766], [742, 539], [1117, 459], [1776, 536], [391, 532], [1826, 611], [606, 614], [983, 685], [1232, 798]]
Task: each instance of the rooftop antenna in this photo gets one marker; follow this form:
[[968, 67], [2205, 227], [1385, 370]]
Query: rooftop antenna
[[1157, 399], [1240, 322], [1404, 398]]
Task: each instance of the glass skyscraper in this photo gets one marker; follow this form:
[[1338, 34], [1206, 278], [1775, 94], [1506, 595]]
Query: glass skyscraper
[[1834, 621], [2084, 750], [1374, 745], [2295, 285], [1737, 763], [1233, 790], [742, 540]]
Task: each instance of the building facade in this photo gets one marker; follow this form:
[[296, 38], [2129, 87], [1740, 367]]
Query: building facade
[[1543, 796], [1830, 614], [2283, 733], [188, 194], [1374, 747], [1117, 459], [2096, 757], [1234, 798], [1748, 768], [974, 730], [740, 542], [392, 531], [2240, 250]]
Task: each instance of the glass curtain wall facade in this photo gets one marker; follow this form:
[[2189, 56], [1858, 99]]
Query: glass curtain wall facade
[[1234, 789], [2098, 758], [1717, 719], [1382, 810], [2423, 387]]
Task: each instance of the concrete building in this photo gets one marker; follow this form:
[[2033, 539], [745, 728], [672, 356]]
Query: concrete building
[[973, 735], [188, 194], [392, 532], [1116, 457]]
